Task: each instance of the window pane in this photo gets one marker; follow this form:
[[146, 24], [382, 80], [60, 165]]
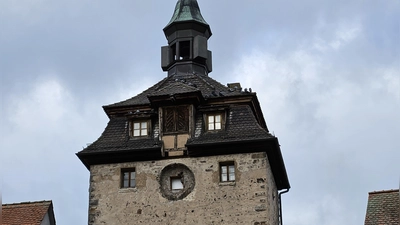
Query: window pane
[[211, 126], [231, 172], [133, 183], [144, 132], [136, 126], [126, 176], [133, 177], [136, 133], [176, 184], [125, 182], [217, 126], [223, 169], [210, 119], [218, 118], [144, 125], [224, 177]]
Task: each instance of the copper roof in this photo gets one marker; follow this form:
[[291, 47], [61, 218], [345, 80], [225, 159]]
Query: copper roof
[[187, 10], [25, 213], [383, 208]]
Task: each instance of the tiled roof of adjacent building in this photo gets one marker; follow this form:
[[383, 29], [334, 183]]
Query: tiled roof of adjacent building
[[383, 208], [26, 213]]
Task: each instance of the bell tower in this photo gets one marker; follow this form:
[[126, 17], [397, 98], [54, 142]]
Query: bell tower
[[188, 149], [187, 33]]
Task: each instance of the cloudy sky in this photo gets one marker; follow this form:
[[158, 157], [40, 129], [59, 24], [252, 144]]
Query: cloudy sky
[[327, 74]]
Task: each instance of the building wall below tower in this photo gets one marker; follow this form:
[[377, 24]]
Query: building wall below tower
[[251, 199]]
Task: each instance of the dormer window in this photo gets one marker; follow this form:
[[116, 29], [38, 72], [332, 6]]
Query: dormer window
[[139, 128], [214, 121]]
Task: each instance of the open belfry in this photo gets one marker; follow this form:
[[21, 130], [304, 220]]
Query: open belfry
[[188, 150]]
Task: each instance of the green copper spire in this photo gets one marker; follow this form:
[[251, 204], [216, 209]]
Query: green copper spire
[[187, 33], [187, 10], [187, 15]]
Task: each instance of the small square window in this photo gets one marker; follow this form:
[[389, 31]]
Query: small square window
[[176, 183], [214, 122], [128, 178], [139, 128], [227, 171]]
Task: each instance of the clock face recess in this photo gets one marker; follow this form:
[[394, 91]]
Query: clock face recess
[[176, 181]]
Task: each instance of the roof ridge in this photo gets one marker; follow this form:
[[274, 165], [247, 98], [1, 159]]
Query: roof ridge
[[160, 84], [383, 191], [206, 82], [27, 203]]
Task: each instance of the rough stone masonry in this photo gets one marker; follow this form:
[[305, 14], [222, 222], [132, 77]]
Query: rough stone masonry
[[250, 199]]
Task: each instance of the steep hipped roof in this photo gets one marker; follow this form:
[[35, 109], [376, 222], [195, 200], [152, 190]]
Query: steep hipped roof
[[383, 208], [26, 213], [241, 126], [208, 87]]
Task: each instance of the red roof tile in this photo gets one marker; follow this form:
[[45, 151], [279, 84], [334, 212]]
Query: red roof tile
[[25, 213], [383, 208]]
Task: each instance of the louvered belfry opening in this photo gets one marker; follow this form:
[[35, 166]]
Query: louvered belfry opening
[[175, 129], [176, 119]]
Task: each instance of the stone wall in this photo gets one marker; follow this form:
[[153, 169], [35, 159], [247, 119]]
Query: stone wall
[[251, 199]]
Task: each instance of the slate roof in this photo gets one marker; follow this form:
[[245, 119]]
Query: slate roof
[[383, 208], [241, 123], [209, 88], [26, 213], [116, 138], [241, 126]]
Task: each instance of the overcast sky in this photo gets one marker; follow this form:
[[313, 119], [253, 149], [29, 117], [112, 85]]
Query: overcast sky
[[327, 74]]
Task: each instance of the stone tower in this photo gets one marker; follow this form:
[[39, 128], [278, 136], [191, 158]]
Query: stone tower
[[187, 150]]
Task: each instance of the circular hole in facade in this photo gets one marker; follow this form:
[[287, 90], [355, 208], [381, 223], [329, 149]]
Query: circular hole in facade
[[176, 181]]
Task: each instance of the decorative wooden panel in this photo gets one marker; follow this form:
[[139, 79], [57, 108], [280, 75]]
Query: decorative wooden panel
[[182, 119], [169, 120], [176, 119]]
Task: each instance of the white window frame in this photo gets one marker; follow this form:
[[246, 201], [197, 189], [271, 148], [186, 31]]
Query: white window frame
[[139, 128], [215, 121]]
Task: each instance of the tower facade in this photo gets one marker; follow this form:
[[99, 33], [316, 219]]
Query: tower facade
[[187, 150]]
